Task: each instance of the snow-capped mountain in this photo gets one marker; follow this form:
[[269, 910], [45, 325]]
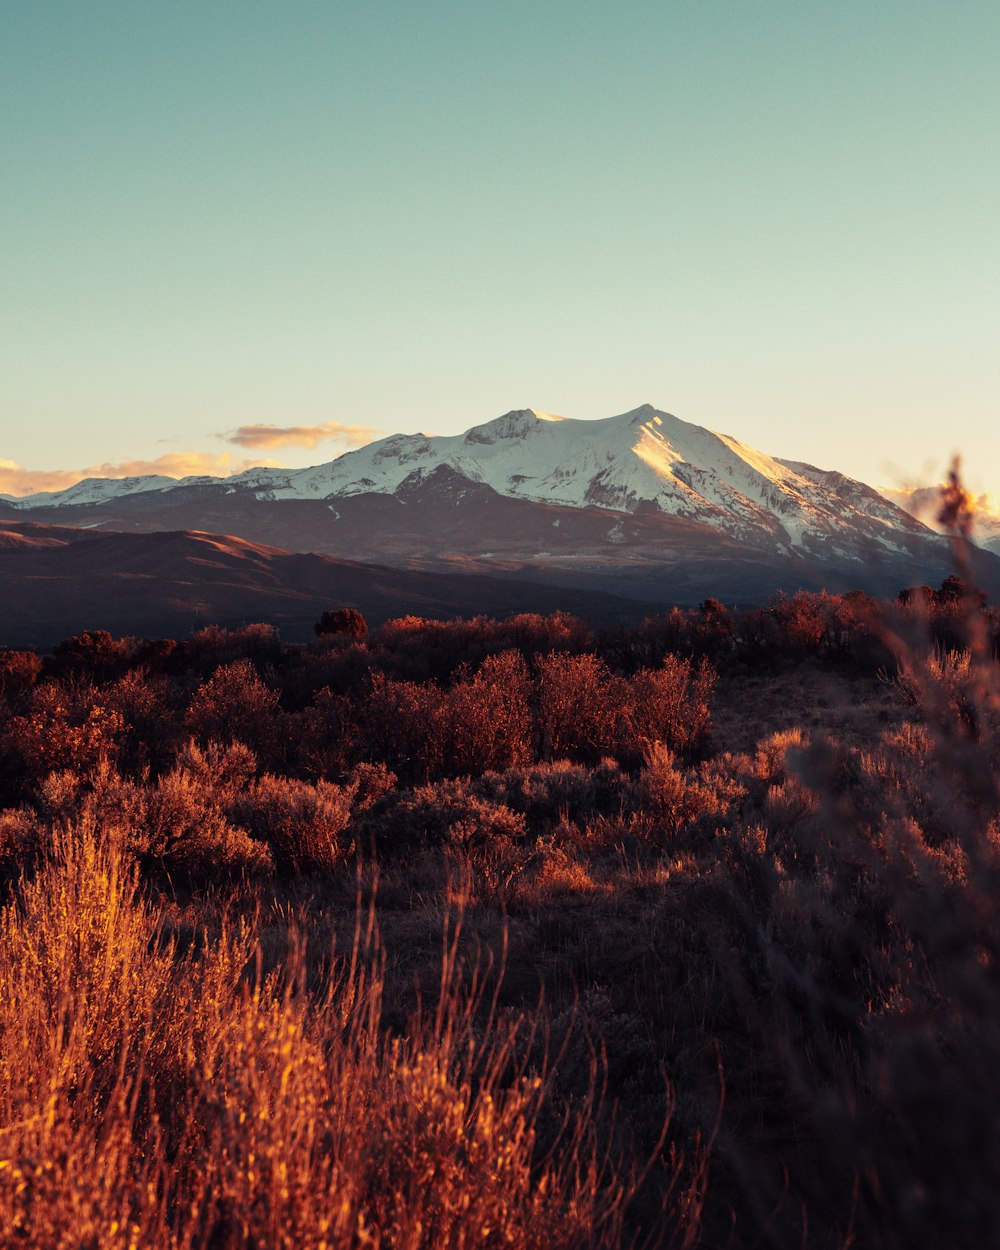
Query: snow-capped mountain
[[644, 505], [96, 490], [643, 460], [92, 490], [988, 535]]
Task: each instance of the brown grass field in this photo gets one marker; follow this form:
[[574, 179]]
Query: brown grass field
[[506, 934]]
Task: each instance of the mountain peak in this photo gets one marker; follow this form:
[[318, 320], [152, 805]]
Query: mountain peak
[[641, 460], [518, 423]]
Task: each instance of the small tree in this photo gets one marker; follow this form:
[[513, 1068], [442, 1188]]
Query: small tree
[[348, 621], [954, 591]]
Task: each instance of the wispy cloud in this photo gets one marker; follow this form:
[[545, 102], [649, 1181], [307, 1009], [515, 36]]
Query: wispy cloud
[[16, 480], [300, 435]]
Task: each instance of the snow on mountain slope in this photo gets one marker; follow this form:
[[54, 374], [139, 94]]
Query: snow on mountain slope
[[986, 532], [94, 490], [641, 460], [99, 490]]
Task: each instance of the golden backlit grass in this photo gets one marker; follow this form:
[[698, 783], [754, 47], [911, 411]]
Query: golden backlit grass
[[154, 1098]]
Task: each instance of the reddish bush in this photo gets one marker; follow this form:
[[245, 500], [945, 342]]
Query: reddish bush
[[551, 792], [61, 730], [328, 737], [448, 813], [149, 715], [489, 718], [183, 822], [404, 725], [669, 705], [213, 646], [19, 670], [94, 653], [344, 622], [666, 797], [20, 841], [370, 783], [234, 705], [579, 703], [420, 649], [303, 824]]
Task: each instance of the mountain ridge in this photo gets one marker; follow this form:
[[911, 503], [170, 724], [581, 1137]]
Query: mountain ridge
[[641, 504], [644, 456]]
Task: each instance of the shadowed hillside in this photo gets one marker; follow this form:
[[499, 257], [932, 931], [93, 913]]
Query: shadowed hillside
[[59, 580]]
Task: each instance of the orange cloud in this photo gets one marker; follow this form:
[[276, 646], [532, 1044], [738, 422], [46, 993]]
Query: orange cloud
[[299, 435], [15, 480]]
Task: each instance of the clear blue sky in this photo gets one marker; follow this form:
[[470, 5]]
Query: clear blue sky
[[781, 220]]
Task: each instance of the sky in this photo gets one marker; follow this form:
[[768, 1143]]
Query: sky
[[245, 232]]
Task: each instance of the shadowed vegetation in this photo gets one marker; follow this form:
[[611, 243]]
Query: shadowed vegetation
[[506, 933]]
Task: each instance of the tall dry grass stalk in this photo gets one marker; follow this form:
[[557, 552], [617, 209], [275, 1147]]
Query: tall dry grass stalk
[[151, 1097]]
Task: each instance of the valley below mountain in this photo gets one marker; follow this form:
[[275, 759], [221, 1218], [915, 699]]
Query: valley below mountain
[[59, 581]]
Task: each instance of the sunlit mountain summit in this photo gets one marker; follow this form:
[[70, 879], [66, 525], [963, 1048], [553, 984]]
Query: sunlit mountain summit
[[641, 504], [641, 460]]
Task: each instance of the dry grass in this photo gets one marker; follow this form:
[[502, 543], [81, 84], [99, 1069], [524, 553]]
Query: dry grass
[[154, 1097], [382, 974]]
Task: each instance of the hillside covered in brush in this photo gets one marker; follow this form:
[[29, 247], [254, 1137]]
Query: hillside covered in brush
[[506, 933]]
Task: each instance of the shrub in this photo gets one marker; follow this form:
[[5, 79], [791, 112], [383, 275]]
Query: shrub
[[181, 823], [668, 705], [547, 793], [329, 737], [20, 841], [303, 824], [149, 721], [62, 729], [213, 646], [94, 653], [234, 705], [405, 725], [370, 783], [578, 707], [947, 683], [184, 829], [449, 812], [489, 718], [223, 770], [344, 621], [668, 798], [19, 670]]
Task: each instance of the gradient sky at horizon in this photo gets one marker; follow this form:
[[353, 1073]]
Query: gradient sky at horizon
[[779, 220]]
